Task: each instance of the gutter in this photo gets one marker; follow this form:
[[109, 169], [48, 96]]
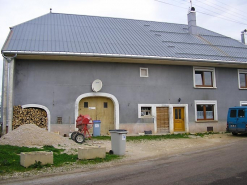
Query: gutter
[[121, 56]]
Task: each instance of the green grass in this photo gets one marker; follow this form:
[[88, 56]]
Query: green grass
[[205, 133], [146, 137], [10, 158], [157, 137]]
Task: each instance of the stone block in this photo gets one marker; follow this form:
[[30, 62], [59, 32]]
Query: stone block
[[29, 158], [91, 152]]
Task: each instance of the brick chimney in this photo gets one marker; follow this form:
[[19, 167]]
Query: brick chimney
[[192, 21]]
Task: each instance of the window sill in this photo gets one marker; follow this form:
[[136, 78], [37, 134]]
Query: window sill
[[147, 117], [243, 88], [205, 87], [206, 121]]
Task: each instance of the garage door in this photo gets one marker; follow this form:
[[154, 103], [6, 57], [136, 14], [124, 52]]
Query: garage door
[[99, 108]]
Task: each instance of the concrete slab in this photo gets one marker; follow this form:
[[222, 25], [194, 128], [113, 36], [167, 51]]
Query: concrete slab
[[91, 152], [29, 158]]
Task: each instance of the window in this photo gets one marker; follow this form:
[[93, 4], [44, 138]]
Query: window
[[143, 72], [105, 105], [243, 103], [233, 114], [146, 111], [204, 77], [85, 104], [59, 120], [241, 113], [205, 110], [242, 79], [178, 114]]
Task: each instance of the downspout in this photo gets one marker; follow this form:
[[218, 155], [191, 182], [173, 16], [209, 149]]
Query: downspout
[[8, 92]]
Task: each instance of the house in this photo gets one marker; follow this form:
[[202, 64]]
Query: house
[[130, 74]]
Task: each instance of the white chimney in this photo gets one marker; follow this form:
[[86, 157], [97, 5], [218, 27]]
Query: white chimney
[[192, 21], [243, 36]]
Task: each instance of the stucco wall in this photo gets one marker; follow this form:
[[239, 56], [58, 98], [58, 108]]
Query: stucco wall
[[57, 84]]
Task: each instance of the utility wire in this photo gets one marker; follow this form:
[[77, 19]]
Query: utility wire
[[203, 13], [222, 9], [219, 14], [227, 5]]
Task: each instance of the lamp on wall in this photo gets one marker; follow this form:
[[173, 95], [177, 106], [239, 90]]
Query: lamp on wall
[[179, 100]]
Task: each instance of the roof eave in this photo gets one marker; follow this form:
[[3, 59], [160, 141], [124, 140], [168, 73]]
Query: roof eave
[[133, 57]]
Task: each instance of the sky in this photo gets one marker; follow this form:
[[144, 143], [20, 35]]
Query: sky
[[222, 16]]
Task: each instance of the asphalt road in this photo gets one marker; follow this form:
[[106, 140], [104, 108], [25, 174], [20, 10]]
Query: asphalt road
[[223, 165]]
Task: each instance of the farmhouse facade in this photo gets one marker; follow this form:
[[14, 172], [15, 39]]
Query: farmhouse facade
[[157, 76]]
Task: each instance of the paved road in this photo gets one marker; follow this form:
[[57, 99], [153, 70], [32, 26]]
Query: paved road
[[223, 165]]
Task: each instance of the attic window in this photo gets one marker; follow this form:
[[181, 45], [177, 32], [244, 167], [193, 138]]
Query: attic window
[[143, 72], [157, 34], [146, 25]]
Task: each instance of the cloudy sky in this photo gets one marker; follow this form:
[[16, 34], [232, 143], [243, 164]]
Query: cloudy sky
[[222, 16]]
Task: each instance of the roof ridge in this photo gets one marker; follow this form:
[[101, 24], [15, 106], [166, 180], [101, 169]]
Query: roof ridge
[[119, 18]]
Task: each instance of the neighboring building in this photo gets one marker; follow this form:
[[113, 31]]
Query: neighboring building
[[156, 76]]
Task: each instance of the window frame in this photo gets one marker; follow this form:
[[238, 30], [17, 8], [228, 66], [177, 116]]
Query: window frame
[[207, 102], [242, 71], [204, 69], [243, 103], [152, 112], [142, 68]]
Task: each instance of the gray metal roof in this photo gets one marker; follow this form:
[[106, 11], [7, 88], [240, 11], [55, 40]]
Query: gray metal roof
[[66, 33]]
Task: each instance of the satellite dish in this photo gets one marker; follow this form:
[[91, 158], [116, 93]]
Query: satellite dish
[[97, 85]]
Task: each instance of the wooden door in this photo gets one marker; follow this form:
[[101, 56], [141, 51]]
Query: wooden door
[[178, 118], [99, 108], [162, 115]]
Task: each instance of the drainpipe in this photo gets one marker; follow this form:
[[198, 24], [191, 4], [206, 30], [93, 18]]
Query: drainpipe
[[7, 104], [242, 36]]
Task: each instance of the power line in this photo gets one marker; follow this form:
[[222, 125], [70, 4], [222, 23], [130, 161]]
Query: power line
[[203, 13], [220, 8], [170, 4], [229, 18], [227, 5]]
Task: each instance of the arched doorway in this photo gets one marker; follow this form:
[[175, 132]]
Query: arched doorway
[[40, 107], [100, 106]]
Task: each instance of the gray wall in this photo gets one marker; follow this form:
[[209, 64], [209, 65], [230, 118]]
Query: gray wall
[[57, 84]]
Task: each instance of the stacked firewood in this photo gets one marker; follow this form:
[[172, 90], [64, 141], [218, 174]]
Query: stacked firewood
[[29, 116]]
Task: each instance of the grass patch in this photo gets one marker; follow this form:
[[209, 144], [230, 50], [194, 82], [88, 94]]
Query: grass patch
[[157, 137], [146, 137], [10, 158], [205, 134]]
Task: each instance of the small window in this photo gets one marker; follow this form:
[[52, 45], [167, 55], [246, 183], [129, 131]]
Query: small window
[[204, 77], [85, 104], [206, 110], [146, 111], [143, 72], [242, 78], [59, 120], [233, 114], [105, 105], [241, 113]]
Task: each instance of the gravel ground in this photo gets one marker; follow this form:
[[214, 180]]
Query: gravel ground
[[26, 135]]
